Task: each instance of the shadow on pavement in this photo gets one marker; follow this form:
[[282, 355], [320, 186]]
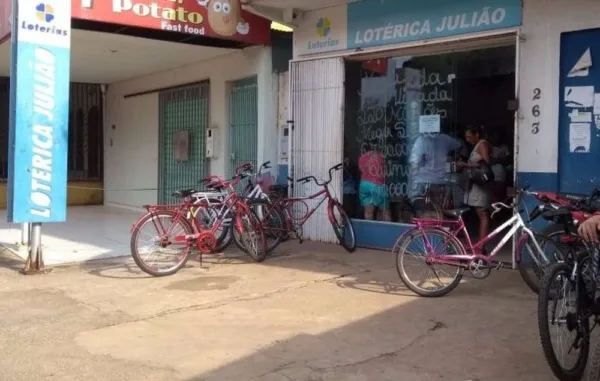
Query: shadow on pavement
[[10, 261], [481, 331]]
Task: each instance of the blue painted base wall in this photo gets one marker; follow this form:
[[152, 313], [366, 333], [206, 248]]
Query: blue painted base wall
[[383, 235], [282, 174], [547, 182], [376, 234]]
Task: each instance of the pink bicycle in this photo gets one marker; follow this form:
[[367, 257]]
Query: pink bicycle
[[436, 244]]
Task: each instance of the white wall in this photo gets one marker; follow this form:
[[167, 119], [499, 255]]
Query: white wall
[[283, 105], [131, 162], [131, 150], [543, 22]]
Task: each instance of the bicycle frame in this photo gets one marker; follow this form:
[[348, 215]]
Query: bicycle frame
[[186, 209], [515, 223], [249, 192], [289, 201]]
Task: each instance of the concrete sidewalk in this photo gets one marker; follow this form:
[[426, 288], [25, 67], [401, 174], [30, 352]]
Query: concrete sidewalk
[[312, 312]]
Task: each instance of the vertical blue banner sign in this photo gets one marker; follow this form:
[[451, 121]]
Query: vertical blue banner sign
[[39, 111]]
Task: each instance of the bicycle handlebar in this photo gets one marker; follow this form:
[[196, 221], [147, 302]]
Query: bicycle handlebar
[[307, 179], [215, 182], [244, 168], [498, 206]]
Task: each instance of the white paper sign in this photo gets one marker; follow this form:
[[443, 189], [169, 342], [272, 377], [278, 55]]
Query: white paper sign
[[579, 96], [597, 103], [597, 120], [579, 137], [429, 124], [580, 117], [581, 68]]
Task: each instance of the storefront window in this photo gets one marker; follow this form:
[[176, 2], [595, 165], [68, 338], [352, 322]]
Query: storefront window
[[405, 123]]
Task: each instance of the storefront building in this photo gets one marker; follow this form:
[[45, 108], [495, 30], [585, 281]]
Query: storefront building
[[163, 93], [406, 81]]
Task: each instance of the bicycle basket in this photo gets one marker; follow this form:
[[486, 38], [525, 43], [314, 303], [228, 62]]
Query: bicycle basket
[[265, 181]]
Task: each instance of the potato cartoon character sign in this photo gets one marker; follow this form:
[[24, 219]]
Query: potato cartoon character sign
[[225, 17]]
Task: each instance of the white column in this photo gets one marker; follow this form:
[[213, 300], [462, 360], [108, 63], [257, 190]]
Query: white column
[[267, 109]]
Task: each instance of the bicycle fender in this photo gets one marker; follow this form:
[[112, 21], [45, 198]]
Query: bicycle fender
[[402, 235], [430, 228], [519, 245]]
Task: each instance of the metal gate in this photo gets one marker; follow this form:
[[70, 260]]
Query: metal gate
[[86, 142], [317, 109], [183, 112], [243, 118]]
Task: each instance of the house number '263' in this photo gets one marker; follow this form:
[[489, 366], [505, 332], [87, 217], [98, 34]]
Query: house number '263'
[[535, 111]]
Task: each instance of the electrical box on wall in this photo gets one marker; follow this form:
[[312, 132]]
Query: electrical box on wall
[[284, 139], [211, 142], [181, 146]]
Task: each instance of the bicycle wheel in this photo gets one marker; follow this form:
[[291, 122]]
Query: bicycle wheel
[[414, 244], [272, 221], [251, 236], [531, 264], [405, 211], [558, 290], [592, 371], [569, 242], [163, 228], [209, 215], [423, 207], [342, 227]]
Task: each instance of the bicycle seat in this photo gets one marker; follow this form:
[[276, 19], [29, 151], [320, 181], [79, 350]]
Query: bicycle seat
[[184, 193], [560, 215], [455, 213], [216, 186]]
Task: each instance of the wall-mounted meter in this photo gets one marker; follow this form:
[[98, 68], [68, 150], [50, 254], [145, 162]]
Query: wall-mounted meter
[[211, 142], [284, 140]]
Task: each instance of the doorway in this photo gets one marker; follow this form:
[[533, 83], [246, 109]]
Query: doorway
[[243, 123], [182, 138], [386, 102]]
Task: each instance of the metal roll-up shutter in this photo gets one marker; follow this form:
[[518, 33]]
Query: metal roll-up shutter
[[317, 107]]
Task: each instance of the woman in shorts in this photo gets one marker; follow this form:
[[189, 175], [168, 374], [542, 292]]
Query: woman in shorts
[[372, 191]]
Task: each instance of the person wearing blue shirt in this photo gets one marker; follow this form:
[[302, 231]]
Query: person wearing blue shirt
[[428, 160]]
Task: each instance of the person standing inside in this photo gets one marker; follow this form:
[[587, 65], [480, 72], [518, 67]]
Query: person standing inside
[[478, 196], [350, 187], [372, 191], [428, 160]]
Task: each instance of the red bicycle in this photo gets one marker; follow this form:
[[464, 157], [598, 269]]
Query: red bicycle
[[294, 219], [174, 230]]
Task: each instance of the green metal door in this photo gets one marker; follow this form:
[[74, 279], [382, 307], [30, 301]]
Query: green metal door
[[183, 110], [243, 128]]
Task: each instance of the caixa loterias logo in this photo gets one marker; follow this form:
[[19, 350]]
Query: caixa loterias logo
[[323, 31], [42, 21]]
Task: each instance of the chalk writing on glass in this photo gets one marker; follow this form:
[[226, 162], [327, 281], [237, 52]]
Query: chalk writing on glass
[[390, 107]]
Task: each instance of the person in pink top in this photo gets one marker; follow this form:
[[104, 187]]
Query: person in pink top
[[372, 191]]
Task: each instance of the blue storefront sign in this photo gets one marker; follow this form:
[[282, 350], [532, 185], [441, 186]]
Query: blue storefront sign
[[381, 22], [39, 111]]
